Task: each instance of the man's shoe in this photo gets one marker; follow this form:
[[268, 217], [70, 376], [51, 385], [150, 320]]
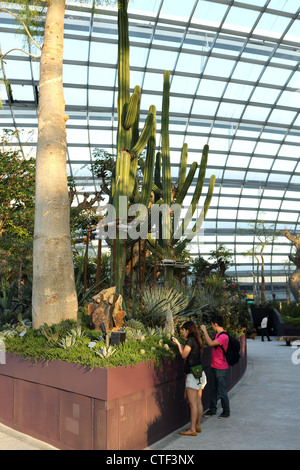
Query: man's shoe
[[209, 413], [223, 415]]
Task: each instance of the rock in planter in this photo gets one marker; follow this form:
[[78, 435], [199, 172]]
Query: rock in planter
[[106, 307]]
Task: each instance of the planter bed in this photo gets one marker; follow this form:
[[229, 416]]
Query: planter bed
[[122, 408]]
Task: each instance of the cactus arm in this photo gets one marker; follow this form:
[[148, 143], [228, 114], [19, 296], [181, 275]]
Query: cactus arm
[[131, 112], [183, 191], [181, 245], [200, 179], [151, 245], [144, 137], [166, 165], [183, 165], [149, 164]]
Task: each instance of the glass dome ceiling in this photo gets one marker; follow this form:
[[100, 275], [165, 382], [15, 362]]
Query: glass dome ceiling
[[235, 84]]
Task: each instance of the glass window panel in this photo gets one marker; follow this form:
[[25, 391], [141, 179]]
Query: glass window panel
[[295, 81], [288, 205], [272, 134], [256, 113], [75, 49], [293, 32], [75, 74], [275, 76], [279, 178], [242, 146], [234, 175], [79, 153], [104, 53], [138, 56], [177, 9], [257, 51], [153, 82], [281, 116], [211, 88], [209, 12], [219, 67], [172, 39], [77, 136], [290, 6], [237, 91], [205, 107], [238, 20], [270, 204], [218, 144], [192, 63], [184, 84], [283, 165], [149, 6], [247, 72], [74, 95], [267, 148], [227, 214], [288, 216], [22, 92], [99, 137], [12, 69], [256, 176], [180, 105], [237, 161], [101, 98], [247, 215], [271, 25], [102, 76], [231, 110], [216, 160], [250, 203], [228, 201], [265, 95]]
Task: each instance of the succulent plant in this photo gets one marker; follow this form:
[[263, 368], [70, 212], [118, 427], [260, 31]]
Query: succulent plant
[[106, 352]]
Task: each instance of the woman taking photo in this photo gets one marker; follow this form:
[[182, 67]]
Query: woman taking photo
[[192, 352]]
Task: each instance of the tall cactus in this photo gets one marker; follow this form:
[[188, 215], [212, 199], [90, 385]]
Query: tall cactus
[[130, 144], [172, 248]]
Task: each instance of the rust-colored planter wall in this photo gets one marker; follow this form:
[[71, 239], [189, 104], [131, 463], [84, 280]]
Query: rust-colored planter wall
[[72, 407]]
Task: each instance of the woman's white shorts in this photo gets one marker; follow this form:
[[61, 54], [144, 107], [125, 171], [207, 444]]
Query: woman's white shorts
[[192, 382]]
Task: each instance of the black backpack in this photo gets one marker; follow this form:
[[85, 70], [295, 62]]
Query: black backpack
[[233, 351]]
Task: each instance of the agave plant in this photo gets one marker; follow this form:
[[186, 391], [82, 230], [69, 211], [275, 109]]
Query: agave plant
[[159, 303], [106, 352]]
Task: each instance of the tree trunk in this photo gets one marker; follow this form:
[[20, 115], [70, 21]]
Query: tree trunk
[[294, 282], [54, 294]]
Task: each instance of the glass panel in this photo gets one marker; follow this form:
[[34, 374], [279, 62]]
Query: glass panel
[[247, 72], [211, 88], [271, 25], [275, 76], [240, 20], [176, 9], [219, 67], [209, 12]]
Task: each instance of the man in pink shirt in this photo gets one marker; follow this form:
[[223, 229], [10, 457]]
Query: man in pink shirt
[[219, 367]]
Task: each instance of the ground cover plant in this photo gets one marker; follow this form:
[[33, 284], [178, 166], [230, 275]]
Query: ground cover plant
[[73, 342]]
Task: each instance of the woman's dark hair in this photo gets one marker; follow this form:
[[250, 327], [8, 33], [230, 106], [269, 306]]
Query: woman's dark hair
[[192, 329], [217, 319]]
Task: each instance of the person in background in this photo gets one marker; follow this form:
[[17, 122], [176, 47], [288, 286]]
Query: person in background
[[192, 352], [219, 367], [264, 328]]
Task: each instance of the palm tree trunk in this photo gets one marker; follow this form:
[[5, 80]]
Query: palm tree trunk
[[54, 294]]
